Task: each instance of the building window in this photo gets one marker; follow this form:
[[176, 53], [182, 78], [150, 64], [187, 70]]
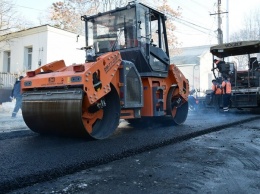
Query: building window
[[28, 58], [7, 61]]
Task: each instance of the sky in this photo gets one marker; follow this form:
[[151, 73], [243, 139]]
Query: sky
[[198, 13], [196, 26]]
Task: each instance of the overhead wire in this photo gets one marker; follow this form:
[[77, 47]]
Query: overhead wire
[[31, 8], [189, 24], [201, 5], [186, 22], [191, 9], [177, 18], [198, 27]]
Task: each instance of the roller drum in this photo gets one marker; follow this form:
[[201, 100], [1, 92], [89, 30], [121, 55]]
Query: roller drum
[[54, 112]]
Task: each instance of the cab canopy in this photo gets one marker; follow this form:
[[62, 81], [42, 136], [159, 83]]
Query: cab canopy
[[235, 48]]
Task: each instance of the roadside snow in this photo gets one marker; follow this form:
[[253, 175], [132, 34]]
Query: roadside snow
[[7, 123], [7, 106]]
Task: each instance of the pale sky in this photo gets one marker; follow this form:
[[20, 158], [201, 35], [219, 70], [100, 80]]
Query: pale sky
[[200, 27], [198, 12]]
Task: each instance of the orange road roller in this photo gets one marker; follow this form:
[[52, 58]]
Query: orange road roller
[[127, 75]]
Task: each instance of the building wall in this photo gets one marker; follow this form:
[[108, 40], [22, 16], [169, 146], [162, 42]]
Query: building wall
[[191, 72], [206, 74], [17, 43], [65, 45], [48, 44], [199, 74]]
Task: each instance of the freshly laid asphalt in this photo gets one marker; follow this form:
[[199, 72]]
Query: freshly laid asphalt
[[222, 162], [32, 158]]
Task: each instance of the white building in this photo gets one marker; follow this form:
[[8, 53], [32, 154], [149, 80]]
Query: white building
[[28, 49], [196, 64]]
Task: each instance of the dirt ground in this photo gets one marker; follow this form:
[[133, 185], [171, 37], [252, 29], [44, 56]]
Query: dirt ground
[[227, 161]]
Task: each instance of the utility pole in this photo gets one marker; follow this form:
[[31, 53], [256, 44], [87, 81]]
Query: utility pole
[[220, 33], [227, 22], [219, 30]]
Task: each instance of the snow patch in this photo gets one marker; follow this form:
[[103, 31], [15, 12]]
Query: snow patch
[[7, 106]]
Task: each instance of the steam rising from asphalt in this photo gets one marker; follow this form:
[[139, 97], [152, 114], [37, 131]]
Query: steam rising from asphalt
[[210, 114]]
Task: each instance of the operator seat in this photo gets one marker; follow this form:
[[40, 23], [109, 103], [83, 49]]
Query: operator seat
[[104, 46]]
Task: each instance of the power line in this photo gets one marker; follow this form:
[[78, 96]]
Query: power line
[[185, 22], [31, 8], [191, 33], [177, 19], [189, 24], [195, 5], [202, 5], [190, 10], [181, 20], [196, 25]]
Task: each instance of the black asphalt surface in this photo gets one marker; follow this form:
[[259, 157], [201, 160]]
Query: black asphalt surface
[[32, 158], [221, 162]]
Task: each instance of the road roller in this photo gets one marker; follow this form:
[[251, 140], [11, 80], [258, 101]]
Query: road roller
[[127, 75]]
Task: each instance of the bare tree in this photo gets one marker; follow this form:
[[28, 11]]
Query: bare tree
[[112, 4], [6, 10], [250, 28], [250, 31], [10, 20], [171, 14], [66, 14]]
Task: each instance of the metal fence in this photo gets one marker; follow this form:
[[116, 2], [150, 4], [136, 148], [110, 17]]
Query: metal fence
[[7, 80]]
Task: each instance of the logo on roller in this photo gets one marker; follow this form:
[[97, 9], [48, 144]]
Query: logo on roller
[[51, 79]]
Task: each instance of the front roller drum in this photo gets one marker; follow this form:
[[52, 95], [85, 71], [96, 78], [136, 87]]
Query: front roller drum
[[61, 112]]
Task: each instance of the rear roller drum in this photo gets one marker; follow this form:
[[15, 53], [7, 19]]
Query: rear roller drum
[[179, 113]]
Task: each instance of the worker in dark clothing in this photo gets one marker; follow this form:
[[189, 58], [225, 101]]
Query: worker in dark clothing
[[16, 93], [224, 68], [219, 64], [226, 88], [216, 94], [192, 101]]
